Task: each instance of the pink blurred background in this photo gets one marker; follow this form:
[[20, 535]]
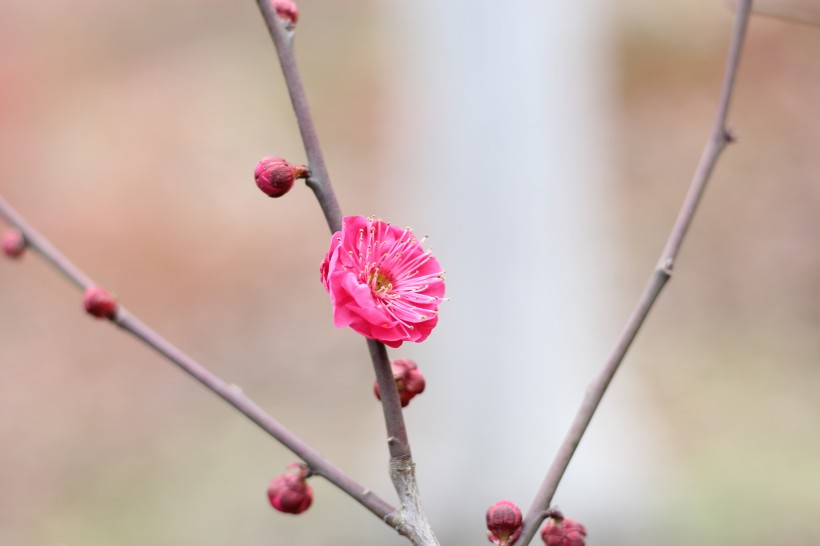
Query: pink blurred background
[[128, 135]]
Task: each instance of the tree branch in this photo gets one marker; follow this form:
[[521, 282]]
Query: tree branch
[[44, 248], [232, 394], [318, 179], [717, 141], [410, 521], [791, 12]]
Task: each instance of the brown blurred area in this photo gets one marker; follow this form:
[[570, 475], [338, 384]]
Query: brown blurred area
[[128, 134]]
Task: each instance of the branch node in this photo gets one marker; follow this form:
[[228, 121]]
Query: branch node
[[402, 464], [311, 181], [554, 513], [236, 388]]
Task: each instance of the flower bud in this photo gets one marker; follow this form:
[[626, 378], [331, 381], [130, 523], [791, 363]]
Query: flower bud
[[563, 532], [275, 176], [287, 11], [290, 492], [503, 523], [99, 303], [409, 380], [14, 244]]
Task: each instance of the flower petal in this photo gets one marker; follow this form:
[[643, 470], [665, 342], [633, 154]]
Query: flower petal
[[381, 282]]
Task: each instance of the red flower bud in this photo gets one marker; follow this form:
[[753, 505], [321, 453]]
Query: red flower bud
[[290, 492], [503, 523], [99, 303], [409, 380], [287, 11], [563, 532], [275, 176], [13, 243]]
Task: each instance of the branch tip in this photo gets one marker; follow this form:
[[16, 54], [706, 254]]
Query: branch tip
[[719, 136]]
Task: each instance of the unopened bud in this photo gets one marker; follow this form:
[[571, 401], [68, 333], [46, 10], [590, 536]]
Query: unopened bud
[[14, 244], [99, 303], [563, 532], [503, 523], [290, 492], [287, 11], [409, 381], [275, 176]]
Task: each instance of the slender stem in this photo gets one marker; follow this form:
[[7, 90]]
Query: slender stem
[[318, 180], [792, 12], [410, 521], [44, 248], [232, 394], [717, 141], [397, 440]]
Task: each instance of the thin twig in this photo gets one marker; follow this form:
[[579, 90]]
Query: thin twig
[[785, 11], [717, 141], [410, 521], [397, 441], [232, 394], [318, 179], [44, 248]]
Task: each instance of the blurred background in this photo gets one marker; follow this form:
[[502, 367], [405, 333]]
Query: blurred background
[[544, 148]]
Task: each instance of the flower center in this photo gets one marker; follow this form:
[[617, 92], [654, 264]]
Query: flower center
[[379, 283]]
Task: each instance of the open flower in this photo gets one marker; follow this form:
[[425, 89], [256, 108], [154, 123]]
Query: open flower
[[381, 282]]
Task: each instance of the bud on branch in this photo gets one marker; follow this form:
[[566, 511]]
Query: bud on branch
[[290, 492], [504, 522], [275, 176]]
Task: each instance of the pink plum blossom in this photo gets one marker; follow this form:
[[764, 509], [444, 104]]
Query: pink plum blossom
[[382, 283]]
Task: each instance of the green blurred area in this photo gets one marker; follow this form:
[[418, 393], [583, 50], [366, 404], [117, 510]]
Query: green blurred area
[[128, 132]]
